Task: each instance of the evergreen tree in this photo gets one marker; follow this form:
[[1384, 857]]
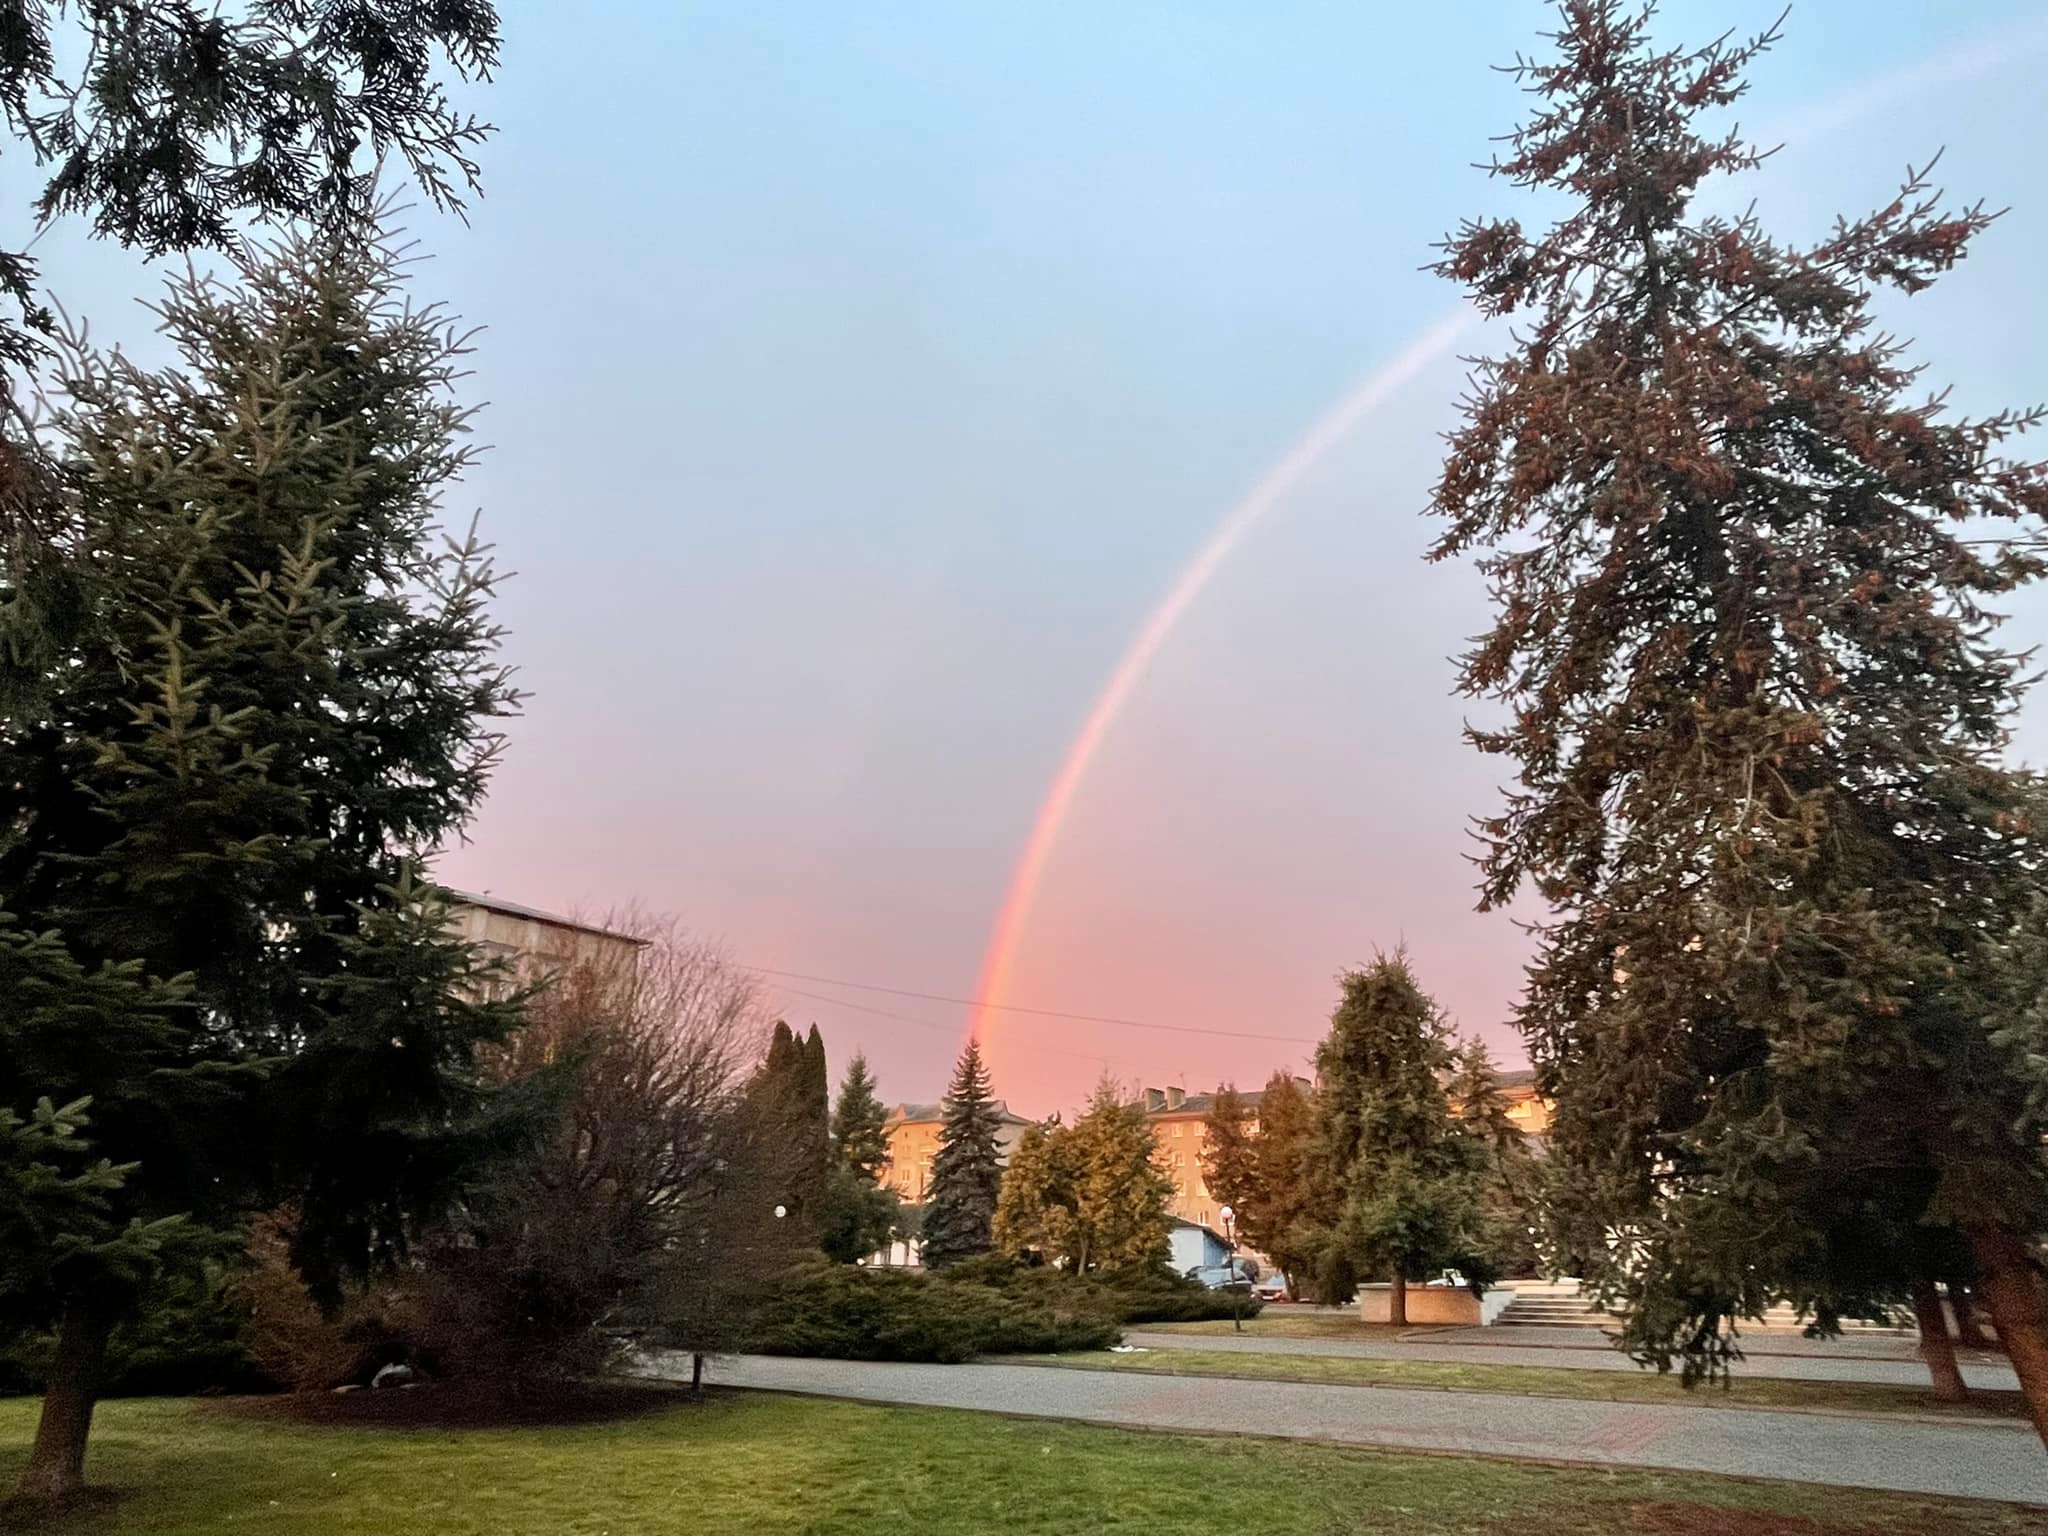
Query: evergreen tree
[[1752, 693], [1035, 1209], [1407, 1179], [1279, 1218], [1508, 1195], [860, 1215], [1230, 1154], [1089, 1195], [187, 123], [276, 694], [189, 120], [788, 1096], [967, 1174], [858, 1138], [1120, 1217]]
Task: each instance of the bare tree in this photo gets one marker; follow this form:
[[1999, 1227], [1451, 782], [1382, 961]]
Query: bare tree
[[592, 1237]]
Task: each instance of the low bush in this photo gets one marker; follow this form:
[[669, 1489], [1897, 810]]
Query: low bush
[[1142, 1294], [1157, 1295], [845, 1313]]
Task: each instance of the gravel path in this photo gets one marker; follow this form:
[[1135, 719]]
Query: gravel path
[[1993, 1461], [1584, 1354]]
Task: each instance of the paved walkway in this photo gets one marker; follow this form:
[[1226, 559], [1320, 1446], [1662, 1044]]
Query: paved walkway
[[1989, 1460], [1585, 1351]]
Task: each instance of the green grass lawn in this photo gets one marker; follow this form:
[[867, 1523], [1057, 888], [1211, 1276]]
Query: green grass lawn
[[1549, 1381], [1276, 1324], [775, 1464]]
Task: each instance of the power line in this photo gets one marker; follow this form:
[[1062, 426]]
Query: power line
[[949, 1029], [1043, 1013]]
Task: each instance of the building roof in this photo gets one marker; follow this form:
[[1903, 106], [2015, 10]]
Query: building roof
[[1200, 1103], [921, 1114], [491, 903], [1196, 1105]]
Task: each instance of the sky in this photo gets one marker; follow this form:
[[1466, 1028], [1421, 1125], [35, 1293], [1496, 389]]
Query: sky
[[860, 381]]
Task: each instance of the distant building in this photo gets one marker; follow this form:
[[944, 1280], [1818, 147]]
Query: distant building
[[1180, 1132], [1193, 1246], [534, 943], [913, 1132]]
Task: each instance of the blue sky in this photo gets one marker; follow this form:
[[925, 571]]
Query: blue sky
[[860, 376]]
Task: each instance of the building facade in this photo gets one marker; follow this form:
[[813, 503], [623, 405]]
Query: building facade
[[913, 1132], [1180, 1132], [536, 944]]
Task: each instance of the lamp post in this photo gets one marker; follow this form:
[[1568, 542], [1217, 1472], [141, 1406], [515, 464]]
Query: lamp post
[[1230, 1266]]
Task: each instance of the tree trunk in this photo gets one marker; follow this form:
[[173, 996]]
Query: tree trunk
[[696, 1373], [1397, 1301], [2012, 1289], [56, 1463], [1935, 1347], [1969, 1332]]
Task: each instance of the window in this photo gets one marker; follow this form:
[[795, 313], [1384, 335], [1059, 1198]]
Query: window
[[1176, 1128]]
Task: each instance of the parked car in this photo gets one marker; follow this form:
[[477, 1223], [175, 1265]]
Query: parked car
[[1271, 1287], [1216, 1276]]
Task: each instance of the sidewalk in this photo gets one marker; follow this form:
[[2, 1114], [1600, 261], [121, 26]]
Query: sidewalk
[[1893, 1364], [1987, 1460]]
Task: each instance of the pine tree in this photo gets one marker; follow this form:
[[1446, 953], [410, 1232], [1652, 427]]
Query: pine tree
[[1090, 1195], [276, 695], [1279, 1218], [960, 1208], [1407, 1179], [189, 121], [1508, 1194], [1230, 1154], [788, 1097], [858, 1138], [1120, 1192], [1034, 1218], [860, 1215], [1747, 667]]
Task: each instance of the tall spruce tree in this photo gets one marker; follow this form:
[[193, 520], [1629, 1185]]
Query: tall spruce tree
[[967, 1171], [860, 1214], [1751, 692], [170, 127], [1508, 1193], [1280, 1216], [859, 1140], [1407, 1179], [1230, 1167], [276, 694]]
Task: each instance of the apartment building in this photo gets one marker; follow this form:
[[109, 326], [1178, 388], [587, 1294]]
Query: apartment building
[[536, 944], [913, 1132], [1179, 1123]]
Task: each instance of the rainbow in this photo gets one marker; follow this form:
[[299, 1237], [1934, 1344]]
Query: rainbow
[[1966, 61], [1006, 933]]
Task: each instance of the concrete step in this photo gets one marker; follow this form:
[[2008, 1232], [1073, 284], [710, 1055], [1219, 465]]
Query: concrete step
[[1562, 1306]]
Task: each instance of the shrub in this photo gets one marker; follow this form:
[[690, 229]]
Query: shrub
[[1145, 1293], [1157, 1295], [902, 1314]]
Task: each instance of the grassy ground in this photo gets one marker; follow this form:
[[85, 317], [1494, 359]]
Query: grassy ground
[[1542, 1381], [1281, 1324], [777, 1464]]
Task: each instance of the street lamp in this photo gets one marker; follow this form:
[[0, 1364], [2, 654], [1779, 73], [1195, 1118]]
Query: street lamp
[[1230, 1267]]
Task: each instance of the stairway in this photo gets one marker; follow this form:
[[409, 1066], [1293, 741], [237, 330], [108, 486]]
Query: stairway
[[1558, 1304], [1552, 1304]]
